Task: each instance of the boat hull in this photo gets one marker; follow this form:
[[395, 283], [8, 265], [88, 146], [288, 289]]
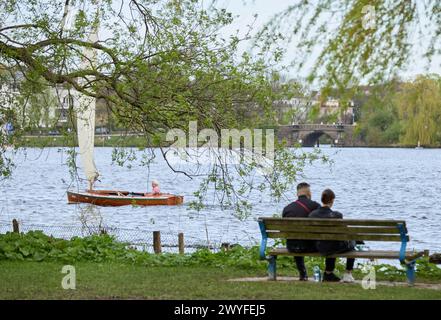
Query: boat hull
[[112, 198]]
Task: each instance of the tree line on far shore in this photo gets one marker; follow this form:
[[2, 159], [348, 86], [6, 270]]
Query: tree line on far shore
[[401, 113]]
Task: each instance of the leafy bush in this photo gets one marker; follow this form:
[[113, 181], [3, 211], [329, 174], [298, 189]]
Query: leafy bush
[[36, 246]]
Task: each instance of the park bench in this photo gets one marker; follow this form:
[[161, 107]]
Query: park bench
[[338, 229]]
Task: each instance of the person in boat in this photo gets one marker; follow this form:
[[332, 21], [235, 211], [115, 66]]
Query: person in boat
[[155, 187], [328, 247], [301, 208]]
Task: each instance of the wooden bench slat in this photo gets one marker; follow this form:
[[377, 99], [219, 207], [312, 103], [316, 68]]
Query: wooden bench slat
[[372, 254], [338, 222], [333, 229], [338, 230], [333, 236]]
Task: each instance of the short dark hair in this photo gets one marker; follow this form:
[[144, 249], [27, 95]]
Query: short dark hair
[[302, 185], [327, 196]]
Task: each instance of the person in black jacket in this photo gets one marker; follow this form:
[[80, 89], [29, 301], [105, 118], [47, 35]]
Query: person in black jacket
[[327, 247], [301, 208]]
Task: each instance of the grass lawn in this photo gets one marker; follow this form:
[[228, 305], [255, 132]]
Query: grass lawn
[[42, 280]]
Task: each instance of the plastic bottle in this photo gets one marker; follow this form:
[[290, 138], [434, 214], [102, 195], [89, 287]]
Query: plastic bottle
[[361, 247], [317, 274]]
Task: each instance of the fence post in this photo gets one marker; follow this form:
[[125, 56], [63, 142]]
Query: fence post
[[157, 242], [15, 226], [181, 242]]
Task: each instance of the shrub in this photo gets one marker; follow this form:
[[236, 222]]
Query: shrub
[[36, 246]]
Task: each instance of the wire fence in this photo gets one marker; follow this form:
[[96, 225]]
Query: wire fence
[[140, 239]]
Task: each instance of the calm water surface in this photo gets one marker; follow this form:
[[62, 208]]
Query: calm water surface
[[369, 183]]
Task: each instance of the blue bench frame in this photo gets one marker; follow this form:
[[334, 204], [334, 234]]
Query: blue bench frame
[[272, 260]]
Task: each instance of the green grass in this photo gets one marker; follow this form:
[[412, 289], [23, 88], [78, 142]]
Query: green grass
[[31, 264], [42, 280]]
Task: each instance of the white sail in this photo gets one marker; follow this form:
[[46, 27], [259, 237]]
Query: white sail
[[85, 111], [86, 135]]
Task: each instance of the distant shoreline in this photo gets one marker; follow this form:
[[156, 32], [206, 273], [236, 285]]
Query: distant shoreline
[[131, 140], [391, 147], [137, 141]]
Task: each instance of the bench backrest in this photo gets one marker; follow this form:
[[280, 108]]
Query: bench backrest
[[334, 229]]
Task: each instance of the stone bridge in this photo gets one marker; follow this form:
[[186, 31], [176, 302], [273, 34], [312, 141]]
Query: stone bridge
[[308, 134]]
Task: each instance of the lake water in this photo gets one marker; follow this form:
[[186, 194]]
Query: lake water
[[369, 183]]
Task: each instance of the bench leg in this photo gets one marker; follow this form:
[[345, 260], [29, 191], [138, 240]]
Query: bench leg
[[410, 272], [272, 268]]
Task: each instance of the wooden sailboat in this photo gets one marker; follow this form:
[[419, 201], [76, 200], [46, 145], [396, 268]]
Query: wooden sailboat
[[85, 112], [123, 198]]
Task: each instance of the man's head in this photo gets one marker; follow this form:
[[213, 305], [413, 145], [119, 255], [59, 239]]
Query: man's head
[[303, 189], [328, 197]]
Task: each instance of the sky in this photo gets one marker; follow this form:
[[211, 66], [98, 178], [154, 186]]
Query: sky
[[267, 8], [245, 11]]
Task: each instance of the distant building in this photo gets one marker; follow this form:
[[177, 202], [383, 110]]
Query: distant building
[[296, 109], [68, 102], [9, 92], [65, 102], [52, 108], [333, 107]]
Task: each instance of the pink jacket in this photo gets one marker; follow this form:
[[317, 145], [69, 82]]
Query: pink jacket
[[156, 190]]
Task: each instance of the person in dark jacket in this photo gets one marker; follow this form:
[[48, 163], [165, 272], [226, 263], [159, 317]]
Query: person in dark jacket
[[327, 247], [301, 208]]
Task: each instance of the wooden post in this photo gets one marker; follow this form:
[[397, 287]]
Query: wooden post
[[181, 242], [15, 226], [157, 242]]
